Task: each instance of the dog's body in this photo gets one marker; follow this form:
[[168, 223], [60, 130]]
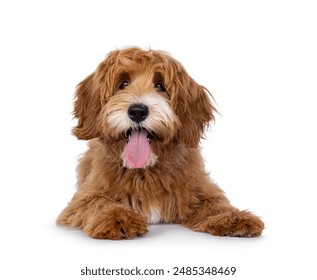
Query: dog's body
[[146, 116]]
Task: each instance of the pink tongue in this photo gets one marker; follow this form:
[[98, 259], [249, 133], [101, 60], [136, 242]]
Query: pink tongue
[[137, 151]]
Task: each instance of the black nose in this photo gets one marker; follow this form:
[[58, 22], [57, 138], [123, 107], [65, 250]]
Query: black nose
[[138, 112]]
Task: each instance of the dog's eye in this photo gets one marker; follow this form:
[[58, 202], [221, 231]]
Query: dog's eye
[[123, 84], [159, 87]]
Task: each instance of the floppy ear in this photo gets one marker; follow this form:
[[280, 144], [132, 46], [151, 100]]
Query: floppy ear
[[195, 111], [86, 109]]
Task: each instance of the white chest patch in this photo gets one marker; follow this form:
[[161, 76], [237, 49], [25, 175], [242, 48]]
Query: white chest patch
[[154, 216]]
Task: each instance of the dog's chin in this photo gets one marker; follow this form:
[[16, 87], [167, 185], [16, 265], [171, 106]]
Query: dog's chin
[[138, 152]]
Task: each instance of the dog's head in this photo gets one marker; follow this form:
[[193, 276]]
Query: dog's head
[[140, 102]]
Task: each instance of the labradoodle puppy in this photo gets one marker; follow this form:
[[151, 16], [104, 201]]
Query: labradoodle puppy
[[144, 116]]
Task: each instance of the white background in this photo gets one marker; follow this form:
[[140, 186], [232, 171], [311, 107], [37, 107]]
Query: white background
[[259, 60]]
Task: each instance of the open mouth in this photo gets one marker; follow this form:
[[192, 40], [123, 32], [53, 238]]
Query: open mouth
[[137, 151], [149, 135]]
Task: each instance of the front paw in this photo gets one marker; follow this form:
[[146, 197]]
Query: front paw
[[236, 224], [117, 222]]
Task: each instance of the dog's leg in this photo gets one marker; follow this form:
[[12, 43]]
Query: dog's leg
[[101, 218], [222, 219]]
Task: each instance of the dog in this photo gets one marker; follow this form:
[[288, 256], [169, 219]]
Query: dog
[[145, 116]]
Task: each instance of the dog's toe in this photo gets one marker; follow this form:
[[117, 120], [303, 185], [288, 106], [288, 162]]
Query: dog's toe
[[118, 222], [235, 224]]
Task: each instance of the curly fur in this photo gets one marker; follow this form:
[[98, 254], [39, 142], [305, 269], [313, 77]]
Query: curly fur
[[115, 200]]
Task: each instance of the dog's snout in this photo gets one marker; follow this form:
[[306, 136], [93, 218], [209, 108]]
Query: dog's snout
[[138, 112]]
